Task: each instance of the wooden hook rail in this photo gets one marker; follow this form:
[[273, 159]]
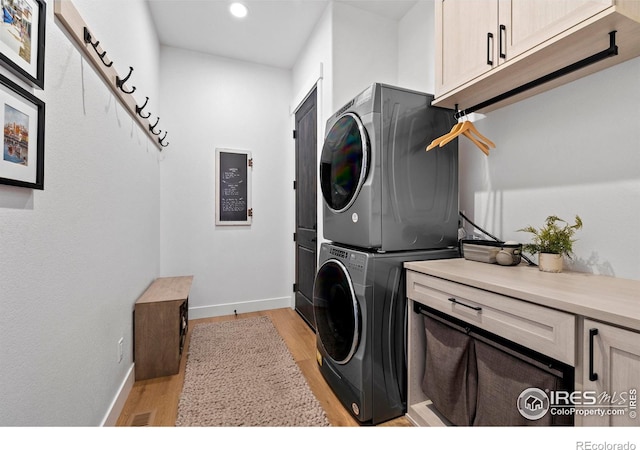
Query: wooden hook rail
[[69, 16]]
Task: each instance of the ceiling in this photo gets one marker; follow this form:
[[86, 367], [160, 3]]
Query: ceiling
[[273, 33]]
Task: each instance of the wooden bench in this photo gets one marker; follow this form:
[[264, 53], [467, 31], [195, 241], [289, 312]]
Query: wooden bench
[[160, 327]]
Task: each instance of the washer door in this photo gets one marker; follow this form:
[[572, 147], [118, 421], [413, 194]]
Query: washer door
[[343, 163], [336, 311]]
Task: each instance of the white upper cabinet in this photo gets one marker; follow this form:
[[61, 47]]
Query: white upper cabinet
[[526, 23], [467, 36], [485, 48]]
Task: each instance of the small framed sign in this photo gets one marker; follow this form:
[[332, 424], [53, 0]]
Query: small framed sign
[[233, 187]]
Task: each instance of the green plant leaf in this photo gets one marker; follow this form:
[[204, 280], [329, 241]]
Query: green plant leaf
[[556, 236]]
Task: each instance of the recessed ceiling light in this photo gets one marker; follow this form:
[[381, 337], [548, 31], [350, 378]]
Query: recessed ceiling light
[[238, 10]]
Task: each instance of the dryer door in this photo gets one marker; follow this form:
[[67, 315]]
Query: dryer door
[[343, 163], [336, 311]]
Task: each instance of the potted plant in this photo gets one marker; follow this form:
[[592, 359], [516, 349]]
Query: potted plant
[[552, 241]]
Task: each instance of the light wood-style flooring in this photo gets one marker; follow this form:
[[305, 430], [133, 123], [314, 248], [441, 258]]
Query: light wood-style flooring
[[155, 402]]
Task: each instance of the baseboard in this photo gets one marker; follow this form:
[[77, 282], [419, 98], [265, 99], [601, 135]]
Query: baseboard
[[120, 399], [202, 312]]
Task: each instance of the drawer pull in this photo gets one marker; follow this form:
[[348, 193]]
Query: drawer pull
[[475, 308], [593, 332]]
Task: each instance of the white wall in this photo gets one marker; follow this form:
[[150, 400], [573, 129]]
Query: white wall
[[572, 150], [416, 48], [365, 51], [74, 257], [317, 52], [210, 102]]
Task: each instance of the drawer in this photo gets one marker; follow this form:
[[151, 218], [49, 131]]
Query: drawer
[[542, 329]]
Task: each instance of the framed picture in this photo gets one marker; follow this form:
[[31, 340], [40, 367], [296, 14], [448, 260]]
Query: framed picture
[[22, 35], [233, 187], [22, 118]]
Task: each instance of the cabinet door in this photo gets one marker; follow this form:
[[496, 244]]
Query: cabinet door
[[616, 365], [464, 49], [527, 23]]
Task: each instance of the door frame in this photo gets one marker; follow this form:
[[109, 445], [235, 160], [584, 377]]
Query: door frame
[[314, 82]]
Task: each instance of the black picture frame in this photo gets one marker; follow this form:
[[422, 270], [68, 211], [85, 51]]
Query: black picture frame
[[22, 116], [26, 58]]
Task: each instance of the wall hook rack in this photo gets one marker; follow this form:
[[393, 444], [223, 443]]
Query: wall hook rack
[[609, 52], [80, 33], [88, 40], [153, 127], [121, 81], [140, 108]]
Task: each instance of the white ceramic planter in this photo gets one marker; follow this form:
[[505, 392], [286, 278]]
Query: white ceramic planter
[[550, 262]]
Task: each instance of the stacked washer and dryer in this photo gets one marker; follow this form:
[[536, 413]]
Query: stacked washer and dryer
[[386, 201]]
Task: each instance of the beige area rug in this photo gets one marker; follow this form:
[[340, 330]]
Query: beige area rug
[[240, 373]]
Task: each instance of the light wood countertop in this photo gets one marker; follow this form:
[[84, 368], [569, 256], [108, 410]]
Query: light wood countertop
[[608, 299]]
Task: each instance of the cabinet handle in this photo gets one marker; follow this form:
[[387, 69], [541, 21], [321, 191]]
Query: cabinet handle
[[489, 48], [503, 42], [592, 333], [475, 308]]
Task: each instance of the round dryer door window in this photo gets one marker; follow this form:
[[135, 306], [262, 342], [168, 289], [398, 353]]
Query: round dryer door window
[[336, 311], [343, 163]]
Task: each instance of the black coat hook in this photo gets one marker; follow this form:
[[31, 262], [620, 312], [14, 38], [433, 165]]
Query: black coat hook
[[121, 81], [161, 140], [140, 108], [153, 127], [87, 39]]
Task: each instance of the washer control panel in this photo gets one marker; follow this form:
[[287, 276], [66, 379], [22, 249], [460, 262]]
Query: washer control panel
[[356, 261], [353, 260]]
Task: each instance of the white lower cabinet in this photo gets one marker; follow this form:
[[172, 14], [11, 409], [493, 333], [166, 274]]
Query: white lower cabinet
[[601, 358], [533, 327], [587, 325], [611, 376]]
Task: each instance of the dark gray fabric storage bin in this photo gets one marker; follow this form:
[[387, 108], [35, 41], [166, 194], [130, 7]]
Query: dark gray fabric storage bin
[[450, 372], [474, 378], [501, 379]]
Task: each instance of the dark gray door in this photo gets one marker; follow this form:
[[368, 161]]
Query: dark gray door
[[306, 210]]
